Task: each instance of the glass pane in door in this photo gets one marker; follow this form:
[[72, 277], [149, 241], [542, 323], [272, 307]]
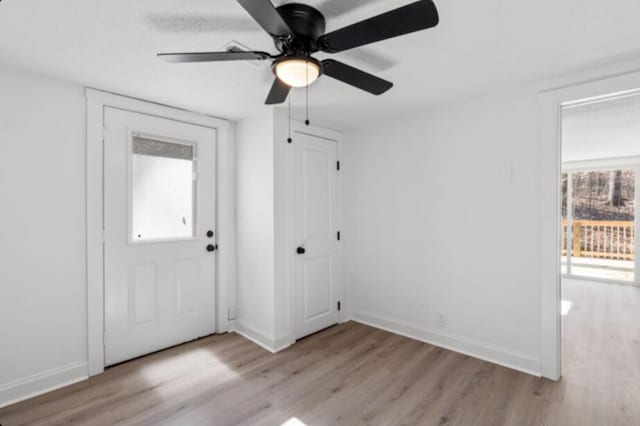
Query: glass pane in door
[[162, 190], [603, 235]]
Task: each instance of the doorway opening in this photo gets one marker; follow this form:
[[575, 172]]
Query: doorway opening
[[599, 181], [600, 168]]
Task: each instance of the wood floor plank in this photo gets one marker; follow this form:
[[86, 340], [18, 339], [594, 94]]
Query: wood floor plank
[[354, 375]]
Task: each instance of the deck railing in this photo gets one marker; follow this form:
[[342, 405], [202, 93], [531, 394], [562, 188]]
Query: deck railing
[[603, 239]]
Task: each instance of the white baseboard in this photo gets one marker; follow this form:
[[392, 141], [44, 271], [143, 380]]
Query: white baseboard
[[46, 381], [347, 316], [505, 357], [260, 338], [282, 343]]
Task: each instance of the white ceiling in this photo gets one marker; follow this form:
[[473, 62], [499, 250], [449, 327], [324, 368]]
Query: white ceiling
[[479, 46]]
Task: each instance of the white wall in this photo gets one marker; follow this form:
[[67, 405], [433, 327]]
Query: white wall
[[442, 216], [284, 219], [255, 227], [43, 320]]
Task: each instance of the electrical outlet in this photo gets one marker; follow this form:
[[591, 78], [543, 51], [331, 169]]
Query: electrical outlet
[[231, 314], [442, 320]]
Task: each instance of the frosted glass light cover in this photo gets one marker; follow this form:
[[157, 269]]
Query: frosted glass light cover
[[297, 72], [162, 190]]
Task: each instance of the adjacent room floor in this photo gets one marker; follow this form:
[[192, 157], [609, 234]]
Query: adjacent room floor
[[353, 374]]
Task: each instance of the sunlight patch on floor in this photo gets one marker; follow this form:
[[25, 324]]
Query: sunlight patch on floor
[[293, 422], [211, 365]]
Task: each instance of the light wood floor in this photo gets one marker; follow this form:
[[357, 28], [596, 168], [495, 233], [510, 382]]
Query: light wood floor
[[355, 375]]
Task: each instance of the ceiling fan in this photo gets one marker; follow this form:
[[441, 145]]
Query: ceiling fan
[[298, 31]]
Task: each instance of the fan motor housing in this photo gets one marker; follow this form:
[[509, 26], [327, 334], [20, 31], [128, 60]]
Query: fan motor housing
[[307, 23]]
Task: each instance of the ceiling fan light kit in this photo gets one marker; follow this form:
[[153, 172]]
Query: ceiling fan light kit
[[298, 31], [297, 71]]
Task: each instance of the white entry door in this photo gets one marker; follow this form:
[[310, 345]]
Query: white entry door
[[159, 218], [317, 265]]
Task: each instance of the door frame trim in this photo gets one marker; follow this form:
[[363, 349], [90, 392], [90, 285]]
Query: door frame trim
[[96, 101], [551, 100], [289, 219]]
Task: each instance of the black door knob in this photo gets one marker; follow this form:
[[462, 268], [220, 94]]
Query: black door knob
[[211, 248], [210, 234], [301, 250]]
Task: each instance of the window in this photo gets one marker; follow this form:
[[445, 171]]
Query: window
[[162, 190], [599, 232]]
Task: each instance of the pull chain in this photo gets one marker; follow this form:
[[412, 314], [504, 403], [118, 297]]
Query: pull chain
[[307, 122], [289, 140]]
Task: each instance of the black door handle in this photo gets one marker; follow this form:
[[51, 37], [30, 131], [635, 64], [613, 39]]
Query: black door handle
[[211, 248], [301, 250]]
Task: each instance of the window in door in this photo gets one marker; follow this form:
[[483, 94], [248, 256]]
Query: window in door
[[162, 190]]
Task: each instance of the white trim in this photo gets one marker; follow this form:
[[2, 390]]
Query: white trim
[[41, 383], [600, 99], [527, 363], [550, 236], [96, 102], [617, 78], [260, 338], [601, 164], [226, 226]]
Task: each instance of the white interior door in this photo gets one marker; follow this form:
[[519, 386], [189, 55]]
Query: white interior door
[[159, 202], [317, 262]]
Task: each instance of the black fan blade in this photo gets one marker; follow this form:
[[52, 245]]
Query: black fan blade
[[355, 77], [278, 94], [404, 20], [267, 16], [214, 56]]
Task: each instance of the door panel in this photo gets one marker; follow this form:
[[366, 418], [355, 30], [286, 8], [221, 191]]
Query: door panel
[[159, 203], [317, 287], [316, 172], [316, 274], [143, 294], [188, 291]]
